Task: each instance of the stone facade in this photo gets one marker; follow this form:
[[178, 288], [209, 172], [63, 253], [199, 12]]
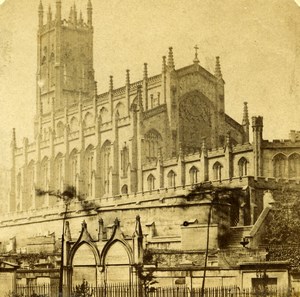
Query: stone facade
[[160, 154]]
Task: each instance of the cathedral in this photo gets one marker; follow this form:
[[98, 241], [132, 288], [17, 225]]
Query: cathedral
[[148, 161]]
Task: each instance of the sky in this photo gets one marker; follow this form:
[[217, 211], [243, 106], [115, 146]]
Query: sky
[[257, 41]]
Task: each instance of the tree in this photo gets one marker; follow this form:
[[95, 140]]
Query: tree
[[146, 278], [83, 290], [282, 228]]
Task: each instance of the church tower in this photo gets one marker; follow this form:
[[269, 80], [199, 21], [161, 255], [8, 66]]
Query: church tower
[[64, 60]]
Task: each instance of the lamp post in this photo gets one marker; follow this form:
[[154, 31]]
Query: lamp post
[[214, 200], [66, 196], [61, 270]]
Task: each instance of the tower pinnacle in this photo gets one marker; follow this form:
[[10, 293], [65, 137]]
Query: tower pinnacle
[[218, 72], [58, 11], [171, 64], [196, 60], [41, 14], [89, 13]]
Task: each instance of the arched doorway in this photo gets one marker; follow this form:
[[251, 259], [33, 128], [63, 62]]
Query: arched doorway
[[117, 264], [84, 266]]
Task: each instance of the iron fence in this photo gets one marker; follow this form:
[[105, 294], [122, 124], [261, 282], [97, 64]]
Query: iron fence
[[134, 290], [45, 290]]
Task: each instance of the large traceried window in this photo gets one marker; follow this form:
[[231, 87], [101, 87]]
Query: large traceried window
[[74, 125], [52, 70], [279, 165], [30, 176], [171, 179], [151, 182], [243, 167], [152, 145], [44, 178], [124, 160], [194, 175], [58, 173], [217, 170], [60, 129], [88, 170], [73, 167], [105, 166], [88, 120], [294, 166]]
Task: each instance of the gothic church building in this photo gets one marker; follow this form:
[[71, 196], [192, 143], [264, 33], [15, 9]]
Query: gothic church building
[[141, 153]]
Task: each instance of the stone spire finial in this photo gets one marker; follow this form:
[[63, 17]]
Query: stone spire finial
[[164, 64], [95, 89], [74, 14], [245, 123], [171, 64], [58, 11], [139, 97], [111, 83], [127, 77], [145, 70], [13, 140], [71, 15], [41, 6], [218, 72], [80, 18], [138, 226], [117, 222], [41, 14], [89, 13], [67, 234], [49, 16], [245, 114], [83, 224], [196, 60]]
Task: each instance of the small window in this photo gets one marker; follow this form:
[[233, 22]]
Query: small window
[[194, 175], [243, 167], [124, 190], [151, 182], [217, 169], [171, 179]]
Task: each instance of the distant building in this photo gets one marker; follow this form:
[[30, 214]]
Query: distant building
[[159, 154]]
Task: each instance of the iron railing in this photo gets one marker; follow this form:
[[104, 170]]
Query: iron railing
[[134, 290]]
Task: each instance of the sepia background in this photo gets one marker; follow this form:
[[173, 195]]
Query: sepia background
[[257, 41]]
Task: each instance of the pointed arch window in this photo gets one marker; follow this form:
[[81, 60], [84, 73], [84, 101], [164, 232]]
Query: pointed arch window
[[30, 176], [105, 166], [73, 168], [294, 166], [217, 170], [88, 174], [52, 70], [152, 144], [171, 179], [44, 174], [124, 160], [279, 165], [60, 129], [193, 175], [124, 190], [58, 173], [243, 167], [151, 182]]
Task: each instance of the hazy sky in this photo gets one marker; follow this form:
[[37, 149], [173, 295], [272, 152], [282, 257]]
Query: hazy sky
[[256, 40]]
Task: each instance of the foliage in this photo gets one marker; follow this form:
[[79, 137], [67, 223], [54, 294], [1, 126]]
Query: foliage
[[146, 278], [68, 195], [282, 229], [83, 290], [283, 226]]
